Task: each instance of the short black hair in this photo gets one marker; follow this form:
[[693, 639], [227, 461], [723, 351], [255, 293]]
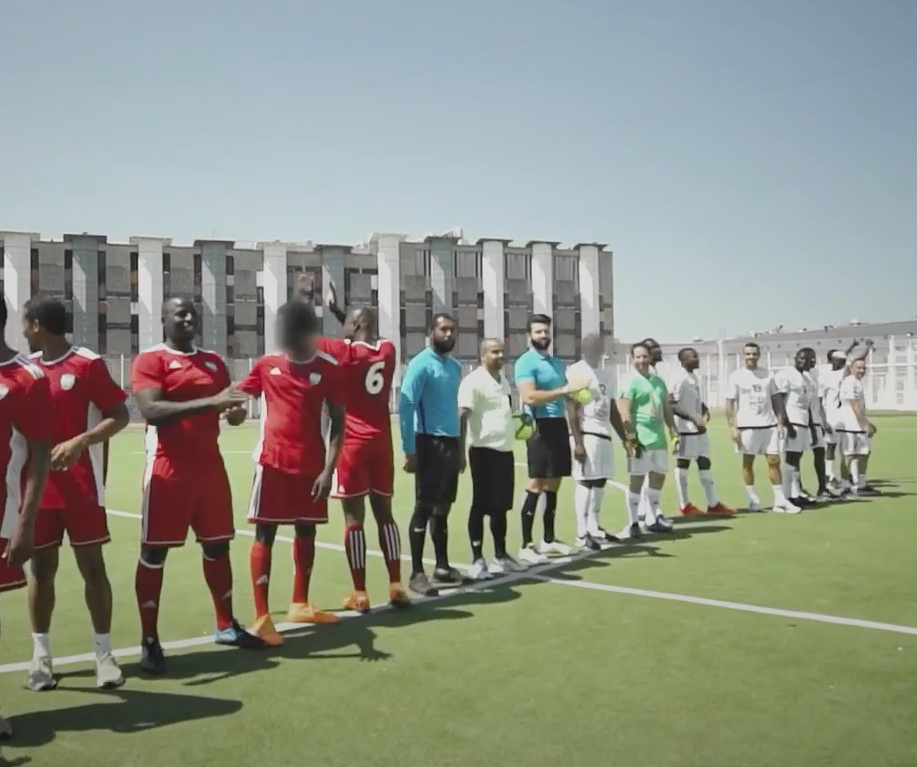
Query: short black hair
[[638, 345], [439, 317], [650, 343], [538, 319], [296, 319], [751, 345], [831, 354], [48, 312], [807, 350], [684, 353]]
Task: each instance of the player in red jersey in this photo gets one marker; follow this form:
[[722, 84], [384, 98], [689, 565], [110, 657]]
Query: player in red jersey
[[293, 474], [26, 429], [181, 391], [90, 410], [367, 461]]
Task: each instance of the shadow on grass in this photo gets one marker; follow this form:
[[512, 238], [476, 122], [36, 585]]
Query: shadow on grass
[[123, 711]]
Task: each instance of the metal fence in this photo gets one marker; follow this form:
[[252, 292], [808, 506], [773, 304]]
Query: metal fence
[[891, 383]]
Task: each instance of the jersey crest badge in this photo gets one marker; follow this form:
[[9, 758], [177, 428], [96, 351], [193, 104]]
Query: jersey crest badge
[[174, 365], [315, 378], [211, 366], [67, 381]]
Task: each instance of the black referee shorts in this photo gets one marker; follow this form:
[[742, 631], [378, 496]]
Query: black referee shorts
[[493, 479], [548, 452], [436, 480]]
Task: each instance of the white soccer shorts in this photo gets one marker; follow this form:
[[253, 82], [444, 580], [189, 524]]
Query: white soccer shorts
[[650, 461], [800, 443], [764, 441], [854, 443], [600, 459], [693, 446]]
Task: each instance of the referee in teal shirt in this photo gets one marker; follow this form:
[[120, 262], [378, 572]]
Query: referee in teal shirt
[[431, 438]]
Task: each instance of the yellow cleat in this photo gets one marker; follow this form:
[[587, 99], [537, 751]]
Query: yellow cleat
[[306, 613], [398, 597], [264, 629]]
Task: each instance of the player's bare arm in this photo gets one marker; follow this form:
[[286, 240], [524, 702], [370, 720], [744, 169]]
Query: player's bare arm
[[322, 486], [862, 420], [22, 543], [625, 410], [668, 416], [731, 419], [616, 423], [158, 411], [331, 301], [463, 439], [778, 401], [532, 397], [685, 415], [574, 412], [66, 454]]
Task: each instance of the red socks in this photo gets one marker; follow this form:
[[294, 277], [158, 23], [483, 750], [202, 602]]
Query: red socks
[[303, 559], [260, 560], [390, 543], [218, 574], [355, 546], [148, 587]]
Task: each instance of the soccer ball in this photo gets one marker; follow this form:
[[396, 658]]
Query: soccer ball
[[583, 396], [525, 426]]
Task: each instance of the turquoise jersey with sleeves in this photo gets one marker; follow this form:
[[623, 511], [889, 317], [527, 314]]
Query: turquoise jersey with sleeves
[[547, 373], [429, 399]]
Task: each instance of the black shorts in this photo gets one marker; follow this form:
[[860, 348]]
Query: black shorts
[[548, 452], [436, 481], [493, 479]]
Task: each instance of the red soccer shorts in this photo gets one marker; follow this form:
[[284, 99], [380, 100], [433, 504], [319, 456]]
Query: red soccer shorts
[[195, 496], [11, 578], [85, 526], [279, 498], [365, 467]]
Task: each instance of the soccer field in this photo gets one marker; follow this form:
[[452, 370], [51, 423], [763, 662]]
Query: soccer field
[[751, 641]]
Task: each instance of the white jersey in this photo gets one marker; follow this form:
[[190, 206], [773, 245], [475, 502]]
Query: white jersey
[[851, 391], [752, 391], [596, 414], [815, 395], [685, 390], [797, 387], [829, 389]]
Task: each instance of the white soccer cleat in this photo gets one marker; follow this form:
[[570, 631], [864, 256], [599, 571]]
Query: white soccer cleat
[[556, 548], [108, 673], [41, 674], [505, 566], [785, 507], [755, 506], [530, 556]]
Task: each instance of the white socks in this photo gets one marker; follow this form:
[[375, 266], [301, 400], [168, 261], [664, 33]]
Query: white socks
[[653, 496], [706, 480], [681, 481], [582, 502], [41, 645], [594, 512], [633, 506], [779, 496], [752, 495], [102, 644], [644, 500]]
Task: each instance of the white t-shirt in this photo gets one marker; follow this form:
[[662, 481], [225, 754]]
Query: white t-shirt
[[829, 389], [596, 414], [685, 390], [752, 390], [798, 389], [490, 420], [851, 391]]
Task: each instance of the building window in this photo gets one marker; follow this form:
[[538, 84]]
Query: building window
[[135, 334], [35, 269], [198, 278], [103, 280], [68, 274], [68, 324], [518, 266], [230, 265], [103, 329], [166, 277], [135, 276], [230, 295]]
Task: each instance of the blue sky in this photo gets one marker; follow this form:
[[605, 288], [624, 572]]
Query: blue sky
[[752, 163]]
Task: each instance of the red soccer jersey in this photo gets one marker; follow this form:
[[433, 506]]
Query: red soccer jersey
[[26, 415], [82, 391], [292, 396], [368, 370], [182, 377]]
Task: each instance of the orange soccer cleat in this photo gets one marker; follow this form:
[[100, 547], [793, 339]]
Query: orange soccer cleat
[[305, 613], [720, 510], [358, 602], [690, 511], [398, 597], [264, 629]]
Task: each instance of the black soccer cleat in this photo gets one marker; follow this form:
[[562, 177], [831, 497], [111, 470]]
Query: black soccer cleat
[[152, 658], [449, 576]]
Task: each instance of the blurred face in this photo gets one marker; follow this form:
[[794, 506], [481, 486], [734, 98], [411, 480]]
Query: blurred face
[[858, 369], [655, 351], [838, 364], [751, 354], [443, 335], [493, 358], [642, 359], [690, 361], [540, 336], [811, 359], [34, 335], [353, 324], [801, 361], [180, 321], [593, 348]]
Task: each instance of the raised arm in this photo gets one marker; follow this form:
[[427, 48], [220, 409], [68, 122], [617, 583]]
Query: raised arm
[[331, 301]]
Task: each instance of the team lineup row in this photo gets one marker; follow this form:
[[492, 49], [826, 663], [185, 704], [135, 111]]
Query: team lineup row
[[60, 409]]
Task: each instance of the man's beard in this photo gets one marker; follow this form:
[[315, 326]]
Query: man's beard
[[541, 345], [444, 346]]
